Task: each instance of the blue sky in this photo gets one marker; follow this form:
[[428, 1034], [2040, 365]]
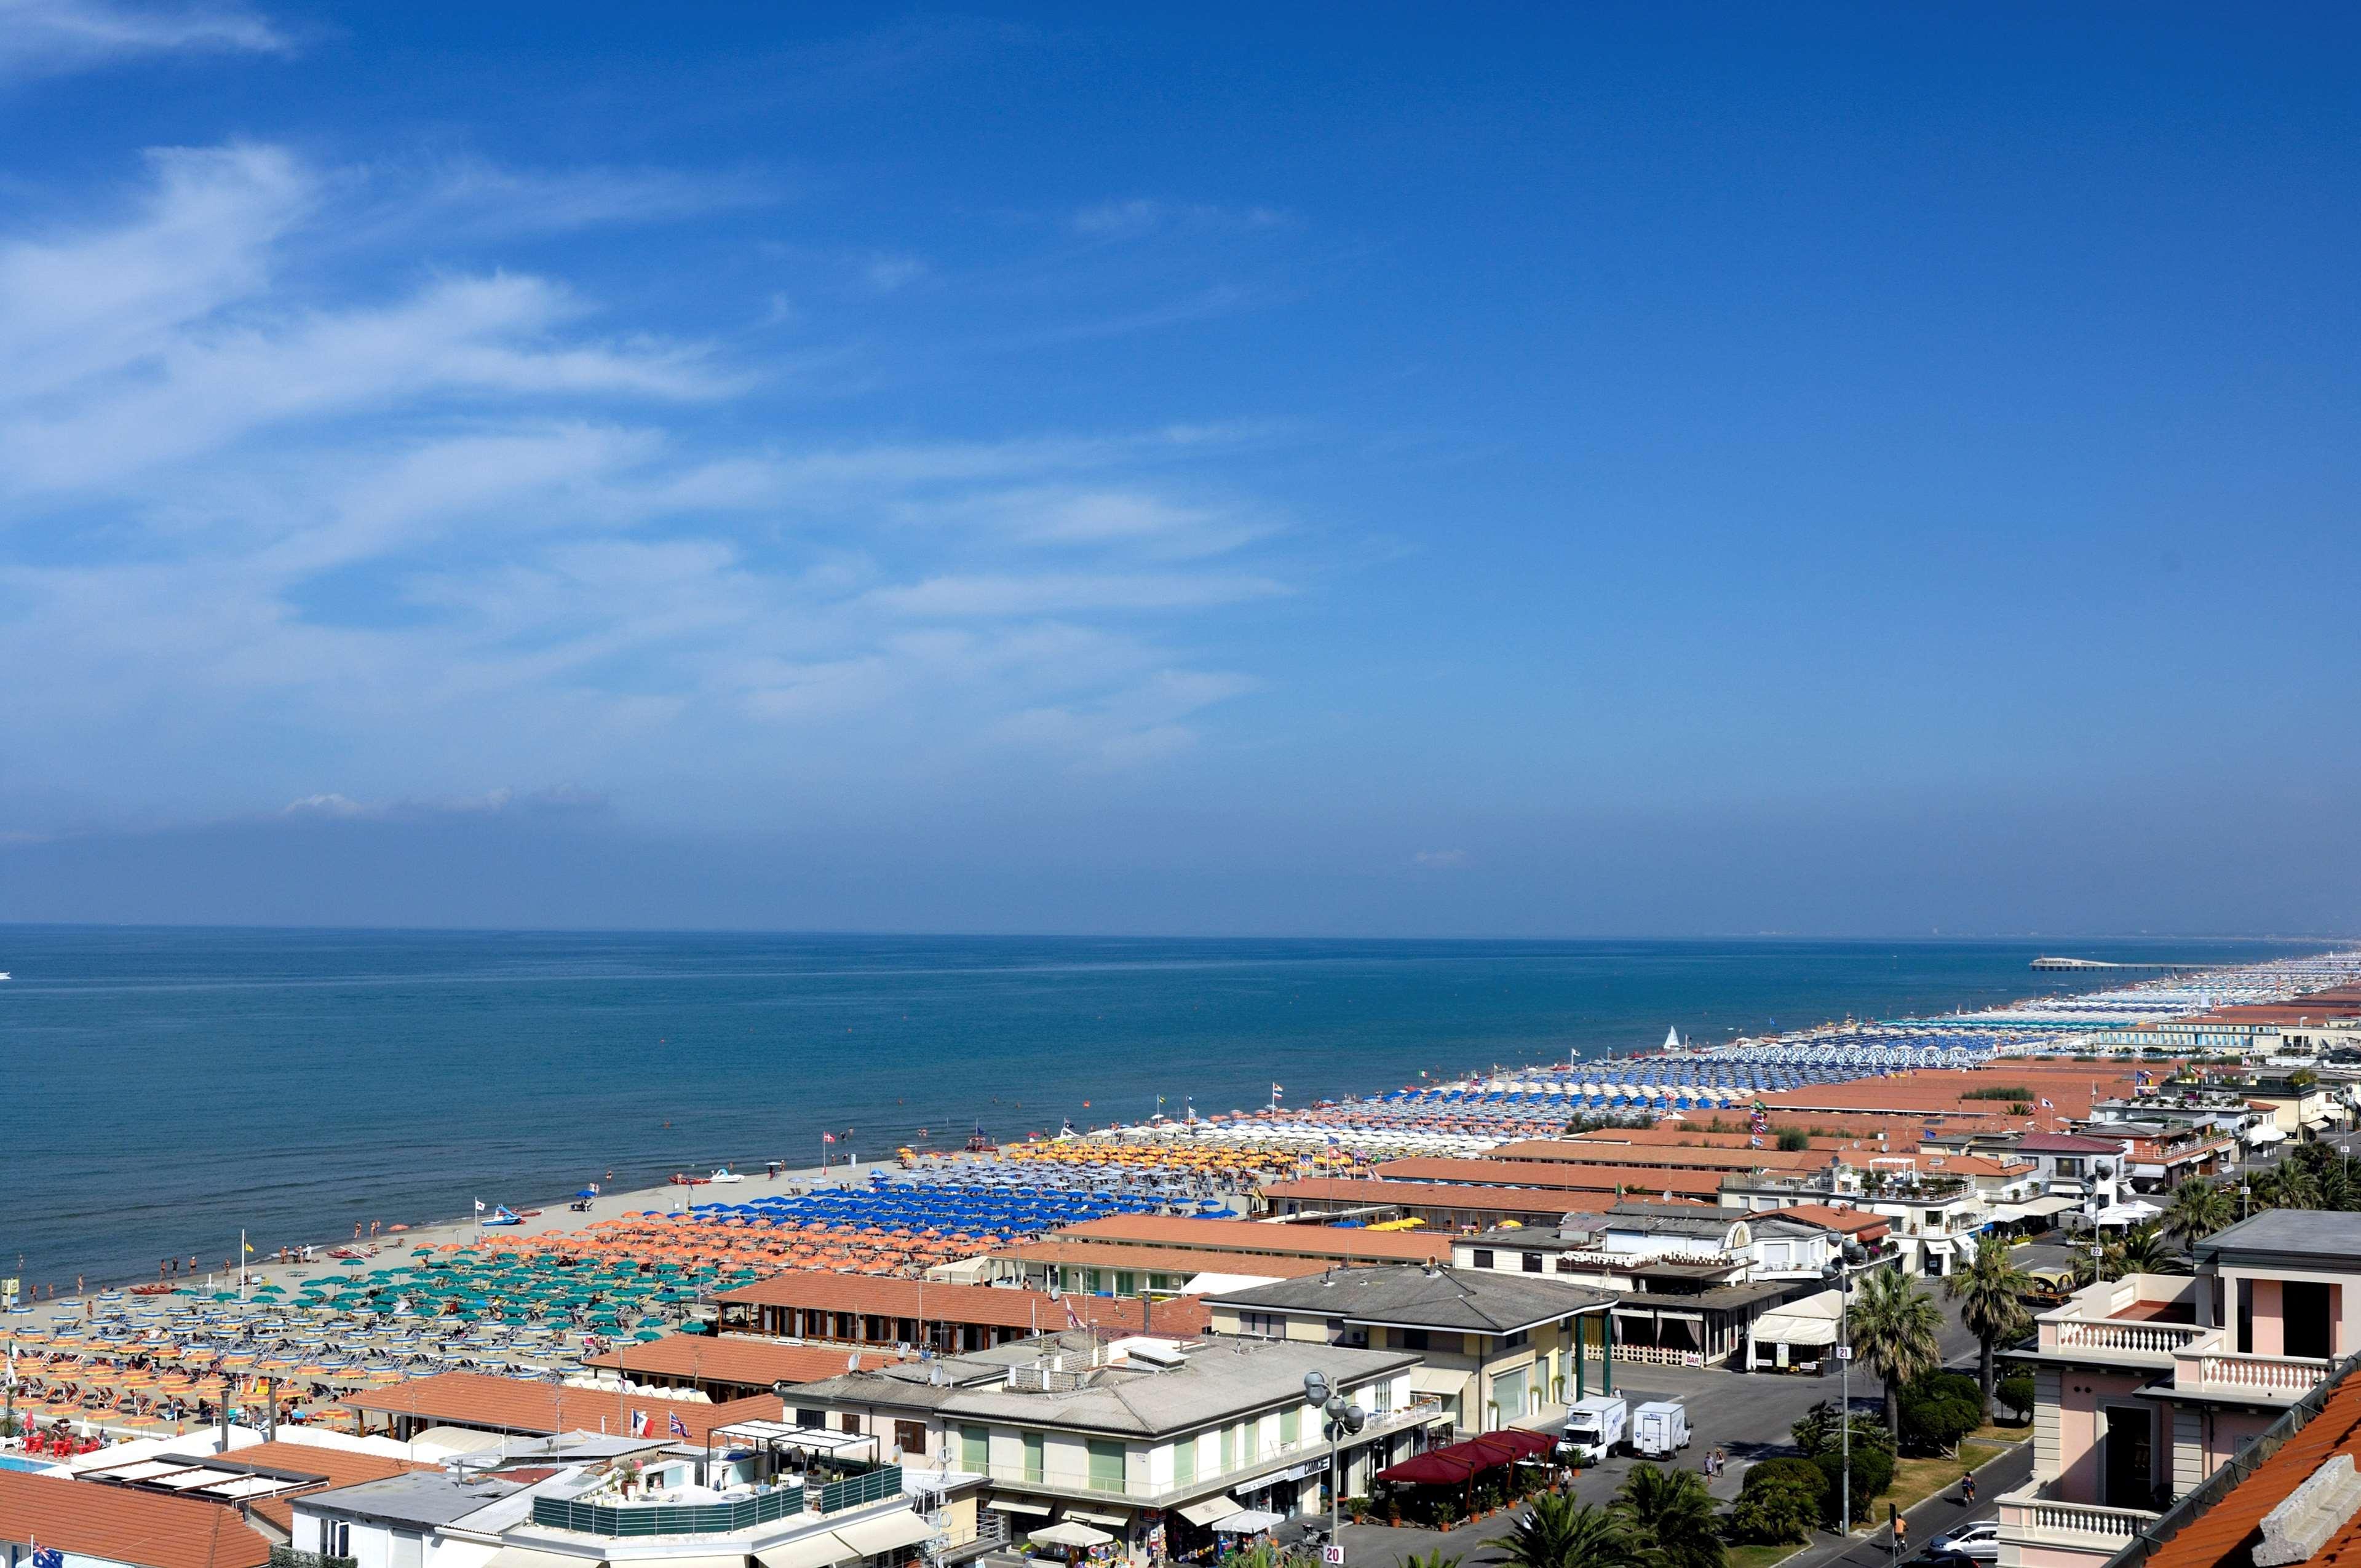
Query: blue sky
[[1209, 469]]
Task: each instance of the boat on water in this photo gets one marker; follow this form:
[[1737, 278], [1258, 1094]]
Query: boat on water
[[725, 1175]]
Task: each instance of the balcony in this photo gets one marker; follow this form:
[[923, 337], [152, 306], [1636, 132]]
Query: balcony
[[620, 1516], [1305, 1450], [2037, 1529], [2142, 1321], [2204, 1367]]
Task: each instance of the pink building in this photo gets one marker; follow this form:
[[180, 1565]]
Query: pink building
[[2149, 1384]]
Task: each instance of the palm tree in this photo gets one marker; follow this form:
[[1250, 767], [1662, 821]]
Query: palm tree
[[2197, 1209], [2143, 1250], [1435, 1559], [1893, 1329], [1991, 1291], [1672, 1511], [1558, 1532]]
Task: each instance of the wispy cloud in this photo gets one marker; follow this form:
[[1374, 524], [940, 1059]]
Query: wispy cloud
[[1140, 215], [320, 539], [39, 37]]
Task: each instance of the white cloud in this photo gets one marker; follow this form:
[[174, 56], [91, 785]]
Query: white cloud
[[298, 532], [50, 37], [1439, 859], [1140, 215]]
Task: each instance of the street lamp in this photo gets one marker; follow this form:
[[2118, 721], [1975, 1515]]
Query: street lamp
[[1852, 1257], [1342, 1416]]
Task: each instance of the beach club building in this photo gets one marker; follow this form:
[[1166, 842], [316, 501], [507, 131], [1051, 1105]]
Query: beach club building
[[1492, 1348], [1145, 1446], [910, 1315]]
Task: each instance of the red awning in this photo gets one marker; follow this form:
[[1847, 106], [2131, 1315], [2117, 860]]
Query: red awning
[[1455, 1462]]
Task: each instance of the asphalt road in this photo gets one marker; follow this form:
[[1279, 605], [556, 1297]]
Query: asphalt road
[[1748, 1416]]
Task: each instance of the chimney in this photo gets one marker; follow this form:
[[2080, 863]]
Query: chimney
[[2300, 1526]]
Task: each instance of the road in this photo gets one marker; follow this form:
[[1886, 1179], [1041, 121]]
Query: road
[[1748, 1416]]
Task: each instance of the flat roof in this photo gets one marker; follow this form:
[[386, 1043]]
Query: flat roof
[[92, 1520], [736, 1358], [938, 1302]]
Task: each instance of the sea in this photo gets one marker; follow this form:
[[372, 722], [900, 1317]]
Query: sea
[[167, 1087]]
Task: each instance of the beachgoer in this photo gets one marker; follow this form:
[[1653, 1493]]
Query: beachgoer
[[193, 1262], [1968, 1484]]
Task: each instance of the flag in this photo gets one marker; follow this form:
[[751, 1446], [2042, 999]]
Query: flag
[[823, 1137], [2046, 1106], [679, 1427], [248, 1246], [639, 1423], [479, 1205]]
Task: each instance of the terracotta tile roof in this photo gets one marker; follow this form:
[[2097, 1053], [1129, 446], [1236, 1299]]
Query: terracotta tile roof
[[1537, 1150], [1659, 1137], [2069, 1088], [1156, 1259], [1502, 1198], [1557, 1176], [1937, 1163], [2224, 1535], [1854, 1222], [1246, 1236], [335, 1466], [88, 1519], [737, 1358], [985, 1306], [518, 1405]]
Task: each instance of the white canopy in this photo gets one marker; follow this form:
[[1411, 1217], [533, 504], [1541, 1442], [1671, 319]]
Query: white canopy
[[2130, 1213], [2265, 1133], [1207, 1510], [887, 1532], [1067, 1533], [1812, 1320], [1248, 1521]]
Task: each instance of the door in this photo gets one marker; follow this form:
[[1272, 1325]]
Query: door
[[2304, 1306], [2129, 1459]]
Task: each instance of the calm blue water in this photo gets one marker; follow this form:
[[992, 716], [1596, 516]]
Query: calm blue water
[[165, 1087]]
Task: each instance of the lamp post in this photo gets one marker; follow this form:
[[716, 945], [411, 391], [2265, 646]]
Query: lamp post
[[1851, 1257], [1342, 1416]]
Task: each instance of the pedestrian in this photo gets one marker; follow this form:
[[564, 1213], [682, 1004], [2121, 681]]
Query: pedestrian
[[1901, 1533], [1968, 1486]]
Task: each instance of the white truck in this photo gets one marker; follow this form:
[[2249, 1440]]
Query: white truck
[[1660, 1429], [1598, 1425]]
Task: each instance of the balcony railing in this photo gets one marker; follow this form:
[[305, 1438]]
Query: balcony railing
[[1050, 1479], [2030, 1518], [2127, 1338], [624, 1519], [2208, 1369]]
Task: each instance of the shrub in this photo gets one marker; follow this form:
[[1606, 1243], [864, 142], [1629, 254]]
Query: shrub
[[1872, 1472], [1940, 1410], [1793, 1139], [1781, 1505], [1817, 1433], [2015, 1393]]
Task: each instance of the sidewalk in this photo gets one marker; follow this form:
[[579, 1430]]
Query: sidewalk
[[1942, 1513]]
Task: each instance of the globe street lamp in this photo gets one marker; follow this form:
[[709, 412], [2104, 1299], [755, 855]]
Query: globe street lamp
[[1342, 1416]]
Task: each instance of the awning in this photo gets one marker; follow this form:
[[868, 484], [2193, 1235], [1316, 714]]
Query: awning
[[815, 1550], [2319, 1123], [1065, 1532], [525, 1557], [1090, 1516], [887, 1532], [1812, 1320], [1018, 1506], [1211, 1509], [1247, 1521], [2266, 1133], [1434, 1380], [735, 1560], [2048, 1207]]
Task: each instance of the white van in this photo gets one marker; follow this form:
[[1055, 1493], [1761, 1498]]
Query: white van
[[1598, 1425], [1660, 1429]]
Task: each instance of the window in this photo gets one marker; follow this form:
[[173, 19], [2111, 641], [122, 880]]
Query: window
[[810, 1417], [1106, 1465], [1184, 1461], [1126, 1283], [1290, 1426], [1032, 1456], [975, 1449], [1483, 1258], [1263, 1325], [848, 1422], [1512, 1340], [1410, 1339], [910, 1437], [1532, 1262], [1229, 1449], [336, 1539]]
